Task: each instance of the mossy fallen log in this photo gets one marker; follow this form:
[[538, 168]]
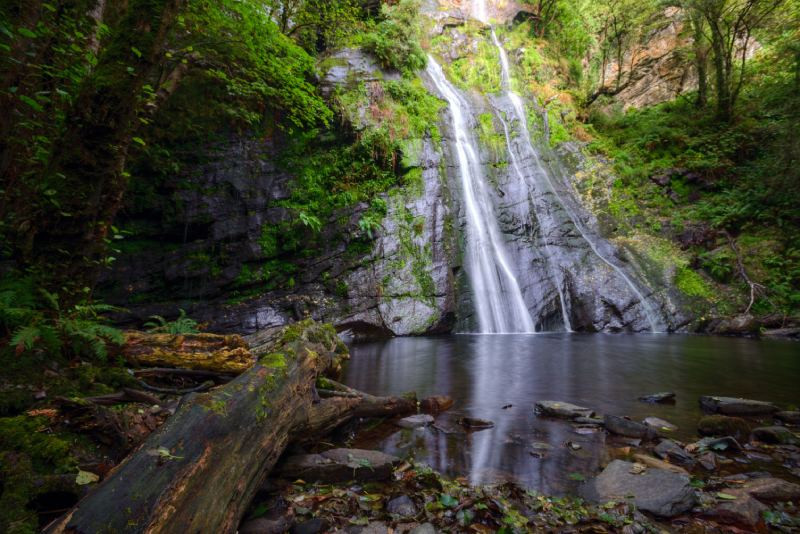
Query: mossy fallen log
[[204, 352], [199, 471]]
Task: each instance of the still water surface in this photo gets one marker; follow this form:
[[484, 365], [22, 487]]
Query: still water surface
[[485, 373]]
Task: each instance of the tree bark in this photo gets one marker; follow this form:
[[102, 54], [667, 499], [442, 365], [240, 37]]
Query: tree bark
[[200, 470], [227, 354]]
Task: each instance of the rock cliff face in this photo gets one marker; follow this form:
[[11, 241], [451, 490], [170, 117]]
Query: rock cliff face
[[201, 234], [198, 236], [655, 69]]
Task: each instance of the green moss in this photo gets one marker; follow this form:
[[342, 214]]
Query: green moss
[[275, 360], [692, 284], [490, 137]]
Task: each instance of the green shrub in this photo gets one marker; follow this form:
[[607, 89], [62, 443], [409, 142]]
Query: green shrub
[[395, 40], [34, 322]]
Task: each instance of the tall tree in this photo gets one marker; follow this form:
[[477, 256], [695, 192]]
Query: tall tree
[[731, 25]]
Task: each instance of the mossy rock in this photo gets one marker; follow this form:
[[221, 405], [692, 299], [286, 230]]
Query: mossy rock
[[723, 425]]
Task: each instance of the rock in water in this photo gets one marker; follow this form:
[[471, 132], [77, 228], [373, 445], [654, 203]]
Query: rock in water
[[736, 406], [626, 427], [775, 435], [657, 491], [415, 421], [563, 410], [790, 418], [723, 425], [659, 425], [402, 506], [339, 465], [670, 450], [475, 424], [662, 397]]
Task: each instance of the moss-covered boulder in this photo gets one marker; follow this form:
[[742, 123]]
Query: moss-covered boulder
[[723, 425]]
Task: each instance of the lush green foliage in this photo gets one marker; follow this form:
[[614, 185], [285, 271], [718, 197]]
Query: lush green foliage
[[395, 39], [34, 322], [181, 325]]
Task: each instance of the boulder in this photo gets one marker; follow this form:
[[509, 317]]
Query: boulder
[[743, 510], [775, 434], [562, 410], [723, 425], [772, 489], [736, 406], [626, 427], [662, 397], [339, 465], [790, 418], [415, 421], [402, 506], [657, 491], [659, 425], [708, 461], [668, 449]]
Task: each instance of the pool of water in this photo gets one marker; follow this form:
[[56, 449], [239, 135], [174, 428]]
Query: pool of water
[[485, 374]]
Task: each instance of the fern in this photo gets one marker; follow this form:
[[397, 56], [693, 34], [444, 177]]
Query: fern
[[36, 322], [181, 325]]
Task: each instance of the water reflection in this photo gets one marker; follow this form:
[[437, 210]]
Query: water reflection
[[484, 373]]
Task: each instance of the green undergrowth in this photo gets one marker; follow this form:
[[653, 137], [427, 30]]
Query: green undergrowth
[[721, 179]]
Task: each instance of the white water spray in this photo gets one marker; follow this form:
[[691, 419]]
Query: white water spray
[[497, 299]]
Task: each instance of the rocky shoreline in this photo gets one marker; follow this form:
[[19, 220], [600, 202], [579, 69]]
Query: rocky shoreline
[[740, 475]]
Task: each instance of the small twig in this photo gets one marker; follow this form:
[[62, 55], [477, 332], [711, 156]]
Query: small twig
[[208, 384]]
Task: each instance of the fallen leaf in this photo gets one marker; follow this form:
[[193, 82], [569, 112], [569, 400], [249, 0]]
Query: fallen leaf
[[85, 477]]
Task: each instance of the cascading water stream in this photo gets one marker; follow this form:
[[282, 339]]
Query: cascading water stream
[[541, 179], [498, 299], [559, 281]]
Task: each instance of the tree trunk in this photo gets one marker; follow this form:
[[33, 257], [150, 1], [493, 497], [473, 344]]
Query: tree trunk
[[92, 152], [203, 352], [700, 59], [200, 470]]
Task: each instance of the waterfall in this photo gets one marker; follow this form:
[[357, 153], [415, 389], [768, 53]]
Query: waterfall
[[497, 298], [540, 180], [479, 11]]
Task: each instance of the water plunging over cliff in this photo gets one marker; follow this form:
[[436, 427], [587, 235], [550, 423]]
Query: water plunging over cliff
[[541, 184], [497, 297]]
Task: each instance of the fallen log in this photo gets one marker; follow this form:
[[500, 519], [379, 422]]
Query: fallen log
[[199, 471], [203, 352]]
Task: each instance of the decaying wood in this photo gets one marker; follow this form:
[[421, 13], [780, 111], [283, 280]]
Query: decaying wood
[[204, 352], [199, 471]]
